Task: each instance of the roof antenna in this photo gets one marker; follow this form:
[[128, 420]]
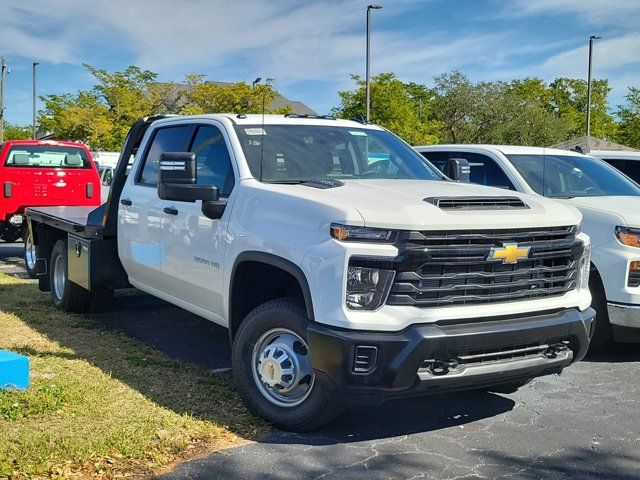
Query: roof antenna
[[256, 81]]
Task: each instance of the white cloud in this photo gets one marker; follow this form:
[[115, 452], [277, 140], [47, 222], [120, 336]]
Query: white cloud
[[624, 13], [319, 40]]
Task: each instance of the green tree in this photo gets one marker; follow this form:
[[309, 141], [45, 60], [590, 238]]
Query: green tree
[[202, 97], [495, 112], [102, 116], [402, 108], [569, 101], [16, 132], [629, 114]]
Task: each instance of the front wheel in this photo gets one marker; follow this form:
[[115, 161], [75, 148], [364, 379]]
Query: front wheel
[[272, 368]]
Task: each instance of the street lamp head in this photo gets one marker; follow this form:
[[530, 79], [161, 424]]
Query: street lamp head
[[374, 7], [594, 37]]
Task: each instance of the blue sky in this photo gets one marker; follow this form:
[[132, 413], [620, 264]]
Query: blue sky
[[311, 47]]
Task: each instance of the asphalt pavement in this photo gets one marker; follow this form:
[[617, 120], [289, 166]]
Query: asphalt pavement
[[584, 424]]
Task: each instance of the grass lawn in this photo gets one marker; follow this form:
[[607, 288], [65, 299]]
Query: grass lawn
[[102, 404]]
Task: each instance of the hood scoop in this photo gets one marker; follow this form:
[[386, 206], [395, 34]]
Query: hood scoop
[[477, 203]]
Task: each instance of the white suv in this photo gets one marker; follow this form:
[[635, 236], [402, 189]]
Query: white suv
[[610, 205]]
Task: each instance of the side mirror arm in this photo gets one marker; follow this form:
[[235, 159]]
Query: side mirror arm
[[213, 209]]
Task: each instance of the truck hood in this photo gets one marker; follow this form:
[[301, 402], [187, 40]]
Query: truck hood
[[625, 207], [400, 204]]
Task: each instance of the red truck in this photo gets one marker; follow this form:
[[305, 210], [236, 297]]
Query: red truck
[[42, 173]]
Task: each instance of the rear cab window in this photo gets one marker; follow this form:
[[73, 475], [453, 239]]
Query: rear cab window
[[165, 139], [47, 156]]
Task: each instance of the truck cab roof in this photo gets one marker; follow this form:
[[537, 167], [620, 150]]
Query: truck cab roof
[[270, 119], [504, 149]]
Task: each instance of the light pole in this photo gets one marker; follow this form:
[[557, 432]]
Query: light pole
[[34, 99], [591, 39], [368, 80], [3, 79]]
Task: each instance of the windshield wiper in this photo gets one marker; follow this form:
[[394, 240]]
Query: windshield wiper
[[287, 182], [313, 182]]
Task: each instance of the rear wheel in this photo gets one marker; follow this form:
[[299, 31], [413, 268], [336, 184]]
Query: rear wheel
[[30, 254], [272, 368], [65, 294], [10, 233]]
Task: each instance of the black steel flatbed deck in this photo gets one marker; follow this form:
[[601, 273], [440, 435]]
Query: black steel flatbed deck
[[76, 220]]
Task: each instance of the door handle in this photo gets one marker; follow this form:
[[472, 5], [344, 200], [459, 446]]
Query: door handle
[[126, 202], [170, 211]]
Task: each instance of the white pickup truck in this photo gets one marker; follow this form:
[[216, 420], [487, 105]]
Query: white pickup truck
[[610, 206], [345, 268]]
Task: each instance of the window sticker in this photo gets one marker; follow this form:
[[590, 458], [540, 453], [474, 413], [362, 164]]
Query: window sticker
[[358, 133], [255, 131]]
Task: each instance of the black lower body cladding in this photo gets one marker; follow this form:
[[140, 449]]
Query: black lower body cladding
[[439, 357]]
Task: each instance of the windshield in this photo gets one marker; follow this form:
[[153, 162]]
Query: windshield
[[47, 156], [563, 176], [295, 153]]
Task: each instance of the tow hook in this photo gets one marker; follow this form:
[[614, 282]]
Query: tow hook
[[442, 367], [554, 350]]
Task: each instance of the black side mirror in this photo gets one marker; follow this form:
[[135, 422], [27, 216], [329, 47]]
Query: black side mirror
[[177, 179], [97, 164], [178, 167], [458, 169]]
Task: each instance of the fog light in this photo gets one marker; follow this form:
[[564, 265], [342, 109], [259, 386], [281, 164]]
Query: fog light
[[365, 358], [16, 220], [367, 288]]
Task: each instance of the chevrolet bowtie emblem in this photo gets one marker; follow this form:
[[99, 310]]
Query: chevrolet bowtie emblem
[[509, 253]]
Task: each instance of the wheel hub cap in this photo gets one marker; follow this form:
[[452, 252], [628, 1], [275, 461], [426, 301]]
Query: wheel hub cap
[[282, 367], [277, 367]]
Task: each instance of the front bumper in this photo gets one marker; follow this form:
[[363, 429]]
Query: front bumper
[[625, 320], [475, 354]]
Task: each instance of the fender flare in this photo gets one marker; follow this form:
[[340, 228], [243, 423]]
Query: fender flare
[[278, 262]]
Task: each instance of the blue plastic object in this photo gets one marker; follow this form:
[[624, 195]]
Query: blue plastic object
[[14, 370]]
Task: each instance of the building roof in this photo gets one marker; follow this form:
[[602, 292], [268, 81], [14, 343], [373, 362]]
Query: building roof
[[587, 144], [279, 101]]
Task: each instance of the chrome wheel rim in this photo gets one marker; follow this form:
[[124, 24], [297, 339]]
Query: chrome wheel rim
[[281, 367], [59, 277], [30, 253]]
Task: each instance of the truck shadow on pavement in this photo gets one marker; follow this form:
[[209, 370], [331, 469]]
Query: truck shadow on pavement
[[616, 353]]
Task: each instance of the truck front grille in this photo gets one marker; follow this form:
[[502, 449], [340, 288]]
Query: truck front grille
[[453, 268]]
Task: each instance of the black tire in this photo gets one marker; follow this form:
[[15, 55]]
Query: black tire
[[66, 295], [512, 387], [315, 410], [11, 234], [603, 334], [29, 248]]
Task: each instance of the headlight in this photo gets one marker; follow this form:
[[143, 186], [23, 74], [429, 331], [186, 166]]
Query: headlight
[[585, 268], [16, 220], [347, 233], [367, 288], [628, 236]]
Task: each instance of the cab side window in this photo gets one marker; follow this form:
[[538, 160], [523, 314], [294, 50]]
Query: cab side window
[[212, 158], [167, 139]]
